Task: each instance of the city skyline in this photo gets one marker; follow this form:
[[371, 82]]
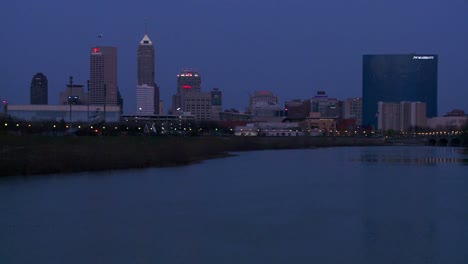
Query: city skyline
[[293, 49]]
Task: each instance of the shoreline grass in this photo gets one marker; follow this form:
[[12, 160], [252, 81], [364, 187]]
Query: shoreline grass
[[33, 155]]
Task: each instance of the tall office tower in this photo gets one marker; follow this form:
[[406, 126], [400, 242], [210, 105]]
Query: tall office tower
[[147, 90], [216, 103], [352, 108], [190, 98], [188, 81], [39, 86], [262, 96], [323, 106], [395, 78], [103, 76]]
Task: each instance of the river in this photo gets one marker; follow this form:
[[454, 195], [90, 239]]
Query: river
[[328, 205]]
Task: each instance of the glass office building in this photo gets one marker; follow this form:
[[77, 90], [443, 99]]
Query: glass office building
[[396, 78]]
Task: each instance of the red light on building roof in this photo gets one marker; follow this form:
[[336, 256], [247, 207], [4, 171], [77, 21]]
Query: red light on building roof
[[95, 50], [186, 86]]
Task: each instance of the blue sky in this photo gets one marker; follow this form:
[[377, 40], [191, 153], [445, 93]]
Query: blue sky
[[293, 48]]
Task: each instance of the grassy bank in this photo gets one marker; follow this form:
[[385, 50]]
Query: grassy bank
[[28, 155]]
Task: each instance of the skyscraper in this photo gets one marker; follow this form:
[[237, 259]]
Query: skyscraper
[[396, 78], [39, 86], [103, 76], [190, 98], [147, 90], [188, 81]]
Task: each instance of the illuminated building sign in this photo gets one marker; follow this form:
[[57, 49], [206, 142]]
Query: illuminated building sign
[[95, 50], [187, 74], [186, 86], [423, 57]]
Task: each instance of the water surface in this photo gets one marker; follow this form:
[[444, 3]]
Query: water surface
[[330, 205]]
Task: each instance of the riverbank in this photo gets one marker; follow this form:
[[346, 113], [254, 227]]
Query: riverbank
[[31, 155]]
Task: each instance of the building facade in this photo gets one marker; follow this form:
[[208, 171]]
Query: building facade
[[323, 106], [147, 90], [78, 113], [297, 108], [401, 116], [395, 78], [262, 96], [145, 100], [74, 94], [216, 104], [352, 108], [103, 76], [191, 99], [39, 89], [188, 81]]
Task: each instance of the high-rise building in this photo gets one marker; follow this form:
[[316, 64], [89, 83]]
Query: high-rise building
[[39, 86], [401, 116], [352, 108], [145, 100], [103, 76], [191, 99], [396, 78], [388, 116], [147, 90], [216, 103], [323, 106], [188, 81]]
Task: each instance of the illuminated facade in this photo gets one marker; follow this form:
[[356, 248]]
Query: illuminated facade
[[39, 89], [147, 90], [396, 78], [188, 81], [103, 76]]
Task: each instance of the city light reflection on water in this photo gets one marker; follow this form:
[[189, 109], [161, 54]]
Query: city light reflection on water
[[425, 156]]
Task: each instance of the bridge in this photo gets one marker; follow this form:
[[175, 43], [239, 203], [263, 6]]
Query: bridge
[[428, 139]]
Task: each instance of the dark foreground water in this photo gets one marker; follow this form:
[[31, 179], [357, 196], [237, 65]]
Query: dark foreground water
[[333, 205]]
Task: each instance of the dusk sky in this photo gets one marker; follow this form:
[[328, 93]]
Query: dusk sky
[[293, 48]]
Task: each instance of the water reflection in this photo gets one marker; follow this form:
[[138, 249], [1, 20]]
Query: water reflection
[[425, 157]]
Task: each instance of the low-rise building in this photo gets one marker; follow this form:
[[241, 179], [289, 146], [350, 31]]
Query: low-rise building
[[75, 113], [316, 126]]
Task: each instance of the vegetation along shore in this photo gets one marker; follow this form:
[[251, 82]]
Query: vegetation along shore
[[30, 155]]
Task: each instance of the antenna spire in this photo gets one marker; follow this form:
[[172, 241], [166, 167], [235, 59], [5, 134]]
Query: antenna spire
[[146, 26]]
